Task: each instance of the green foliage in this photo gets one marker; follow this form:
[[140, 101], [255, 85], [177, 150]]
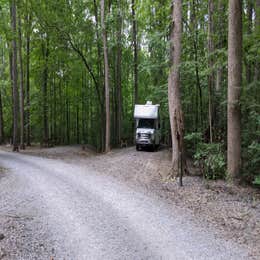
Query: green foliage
[[257, 180], [251, 144], [191, 141], [211, 160], [209, 157]]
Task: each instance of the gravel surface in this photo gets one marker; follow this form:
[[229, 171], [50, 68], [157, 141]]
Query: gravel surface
[[99, 208]]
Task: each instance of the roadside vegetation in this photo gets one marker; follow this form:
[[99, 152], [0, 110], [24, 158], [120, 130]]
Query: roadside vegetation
[[71, 72]]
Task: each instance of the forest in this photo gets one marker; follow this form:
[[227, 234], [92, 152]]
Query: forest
[[72, 71]]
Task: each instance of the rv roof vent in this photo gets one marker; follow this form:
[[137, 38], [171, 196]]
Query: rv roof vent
[[149, 102]]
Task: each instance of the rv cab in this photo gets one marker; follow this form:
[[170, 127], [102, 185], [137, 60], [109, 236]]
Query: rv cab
[[147, 132]]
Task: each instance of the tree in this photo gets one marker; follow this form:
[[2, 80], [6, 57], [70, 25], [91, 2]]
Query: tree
[[22, 145], [45, 74], [27, 90], [118, 73], [210, 64], [135, 45], [234, 86], [2, 136], [175, 109], [106, 67], [14, 79]]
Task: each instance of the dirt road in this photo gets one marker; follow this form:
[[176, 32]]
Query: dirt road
[[74, 210]]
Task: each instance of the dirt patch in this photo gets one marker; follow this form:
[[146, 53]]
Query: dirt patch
[[57, 152]]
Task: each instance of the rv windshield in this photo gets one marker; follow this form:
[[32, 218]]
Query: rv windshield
[[146, 123]]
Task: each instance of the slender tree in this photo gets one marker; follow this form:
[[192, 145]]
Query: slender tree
[[175, 109], [14, 79], [107, 101], [118, 73], [234, 86], [45, 52], [27, 90], [135, 45], [22, 146], [2, 136], [210, 65]]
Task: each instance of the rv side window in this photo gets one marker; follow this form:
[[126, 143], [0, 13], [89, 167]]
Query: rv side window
[[146, 123]]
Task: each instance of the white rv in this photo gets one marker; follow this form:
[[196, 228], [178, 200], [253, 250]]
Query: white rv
[[148, 132]]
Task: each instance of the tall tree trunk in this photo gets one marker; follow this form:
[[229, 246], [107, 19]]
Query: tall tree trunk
[[135, 45], [45, 50], [106, 65], [100, 78], [234, 86], [118, 73], [2, 135], [22, 146], [27, 90], [210, 65], [14, 80], [175, 109]]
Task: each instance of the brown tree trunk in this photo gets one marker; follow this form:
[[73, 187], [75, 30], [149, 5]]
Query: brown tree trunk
[[27, 90], [2, 136], [45, 50], [118, 74], [100, 78], [14, 80], [210, 65], [106, 65], [22, 146], [135, 45], [175, 109], [234, 86]]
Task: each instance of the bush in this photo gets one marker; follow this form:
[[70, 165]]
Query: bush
[[211, 160], [209, 157], [251, 162], [251, 147], [191, 142]]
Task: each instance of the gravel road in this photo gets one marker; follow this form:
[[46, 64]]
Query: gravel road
[[52, 209]]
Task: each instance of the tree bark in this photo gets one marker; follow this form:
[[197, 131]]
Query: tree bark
[[210, 65], [234, 86], [2, 136], [135, 45], [175, 109], [45, 50], [27, 90], [106, 65], [14, 80], [118, 74], [22, 146]]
